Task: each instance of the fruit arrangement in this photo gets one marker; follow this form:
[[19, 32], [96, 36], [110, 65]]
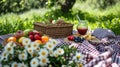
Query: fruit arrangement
[[33, 35], [80, 38], [76, 38]]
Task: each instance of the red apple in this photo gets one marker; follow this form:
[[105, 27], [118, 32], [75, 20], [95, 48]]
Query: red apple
[[37, 37], [31, 33], [71, 38], [31, 37]]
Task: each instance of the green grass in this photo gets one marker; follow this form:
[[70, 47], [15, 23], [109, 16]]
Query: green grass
[[11, 22]]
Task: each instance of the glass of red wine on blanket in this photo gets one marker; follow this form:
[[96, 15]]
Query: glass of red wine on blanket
[[82, 26]]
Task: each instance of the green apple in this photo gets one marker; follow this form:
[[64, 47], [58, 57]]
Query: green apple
[[27, 31]]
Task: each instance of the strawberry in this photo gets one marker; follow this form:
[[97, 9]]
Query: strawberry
[[71, 38]]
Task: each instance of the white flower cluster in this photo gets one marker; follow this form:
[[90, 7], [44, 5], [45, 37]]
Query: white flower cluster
[[38, 54], [78, 58], [7, 50]]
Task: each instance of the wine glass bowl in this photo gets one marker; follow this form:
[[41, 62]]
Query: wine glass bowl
[[82, 27]]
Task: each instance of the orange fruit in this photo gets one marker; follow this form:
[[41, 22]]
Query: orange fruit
[[45, 39], [11, 39], [38, 41]]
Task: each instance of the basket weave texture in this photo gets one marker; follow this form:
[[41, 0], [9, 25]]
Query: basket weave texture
[[55, 30]]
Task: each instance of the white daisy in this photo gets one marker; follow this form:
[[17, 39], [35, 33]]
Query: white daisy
[[33, 54], [34, 62], [4, 56], [51, 53], [44, 61], [14, 64], [60, 51], [22, 65], [9, 49], [34, 45], [53, 41], [22, 56], [37, 49], [26, 41], [28, 46], [50, 46], [43, 52], [11, 44], [24, 51], [30, 50], [78, 57], [55, 53]]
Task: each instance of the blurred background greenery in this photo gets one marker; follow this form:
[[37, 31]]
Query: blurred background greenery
[[20, 14]]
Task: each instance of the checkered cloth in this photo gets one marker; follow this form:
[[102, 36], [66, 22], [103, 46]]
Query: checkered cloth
[[101, 57], [105, 57], [87, 47]]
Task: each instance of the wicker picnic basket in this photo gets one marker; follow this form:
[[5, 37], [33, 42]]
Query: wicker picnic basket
[[54, 30]]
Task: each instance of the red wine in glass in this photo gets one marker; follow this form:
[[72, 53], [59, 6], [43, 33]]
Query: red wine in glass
[[82, 27], [82, 31]]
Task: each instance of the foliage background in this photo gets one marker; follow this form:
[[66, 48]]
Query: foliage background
[[20, 14]]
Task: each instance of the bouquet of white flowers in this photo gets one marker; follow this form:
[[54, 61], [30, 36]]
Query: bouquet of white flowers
[[33, 54]]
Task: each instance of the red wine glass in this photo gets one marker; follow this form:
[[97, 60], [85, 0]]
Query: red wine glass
[[82, 27]]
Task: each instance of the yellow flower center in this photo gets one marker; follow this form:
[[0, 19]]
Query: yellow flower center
[[30, 51], [59, 51], [35, 45], [9, 49], [78, 57], [11, 45], [43, 53], [23, 55], [26, 42], [50, 46], [54, 42], [37, 48], [15, 65], [80, 65], [34, 62], [4, 54], [34, 54], [29, 46], [44, 60]]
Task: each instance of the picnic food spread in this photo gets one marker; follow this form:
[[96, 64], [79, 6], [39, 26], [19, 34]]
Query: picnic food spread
[[34, 48]]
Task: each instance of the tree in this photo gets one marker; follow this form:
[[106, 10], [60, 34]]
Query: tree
[[68, 4], [105, 3]]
